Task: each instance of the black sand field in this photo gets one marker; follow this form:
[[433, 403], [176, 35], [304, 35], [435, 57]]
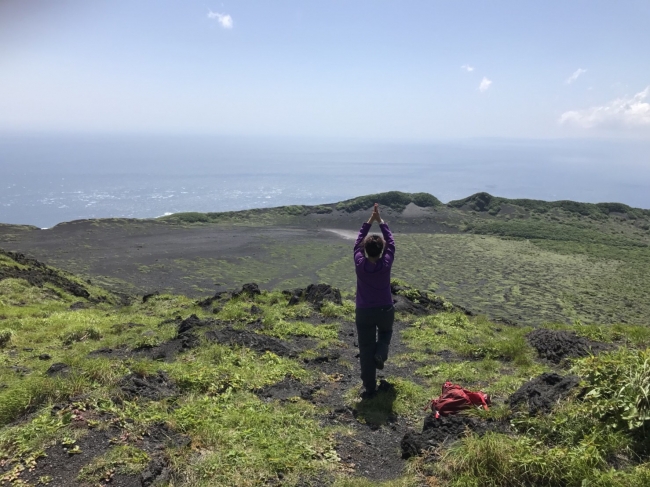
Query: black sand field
[[147, 255]]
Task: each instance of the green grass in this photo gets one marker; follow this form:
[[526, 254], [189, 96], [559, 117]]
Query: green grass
[[122, 459], [392, 199], [475, 338], [485, 202], [521, 281], [214, 369], [246, 442], [238, 438], [573, 446], [542, 230], [403, 398]]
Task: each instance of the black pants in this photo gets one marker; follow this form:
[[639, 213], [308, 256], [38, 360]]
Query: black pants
[[374, 331]]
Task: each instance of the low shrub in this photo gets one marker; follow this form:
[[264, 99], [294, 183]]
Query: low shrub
[[79, 334], [619, 388], [5, 337]]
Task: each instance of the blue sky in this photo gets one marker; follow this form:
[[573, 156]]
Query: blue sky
[[410, 70]]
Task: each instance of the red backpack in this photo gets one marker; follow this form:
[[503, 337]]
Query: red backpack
[[454, 399]]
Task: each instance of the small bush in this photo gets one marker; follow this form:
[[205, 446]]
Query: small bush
[[5, 337], [190, 217], [392, 199], [284, 329], [321, 210], [294, 210], [619, 388], [80, 334], [332, 310]]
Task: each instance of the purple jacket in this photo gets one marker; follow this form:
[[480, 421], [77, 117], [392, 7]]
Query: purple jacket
[[373, 280]]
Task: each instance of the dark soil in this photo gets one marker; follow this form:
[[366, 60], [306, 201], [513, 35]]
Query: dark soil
[[38, 274], [373, 453], [154, 387], [542, 393], [58, 368], [287, 389], [148, 296], [64, 467], [251, 290], [187, 336], [188, 331], [316, 294], [254, 341], [405, 305], [445, 430], [220, 296], [111, 352], [557, 346], [418, 303]]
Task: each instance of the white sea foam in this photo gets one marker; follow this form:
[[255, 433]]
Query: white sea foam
[[231, 175]]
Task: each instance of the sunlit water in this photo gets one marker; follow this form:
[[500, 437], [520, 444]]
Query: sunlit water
[[47, 180]]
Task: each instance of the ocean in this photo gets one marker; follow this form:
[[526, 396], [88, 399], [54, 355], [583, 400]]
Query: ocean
[[47, 179]]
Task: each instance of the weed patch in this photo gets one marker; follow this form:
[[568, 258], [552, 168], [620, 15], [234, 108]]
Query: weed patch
[[122, 459], [247, 442]]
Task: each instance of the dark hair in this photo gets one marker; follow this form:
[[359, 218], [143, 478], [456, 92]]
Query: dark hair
[[373, 244]]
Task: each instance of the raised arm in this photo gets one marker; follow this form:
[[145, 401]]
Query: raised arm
[[389, 251], [358, 245], [365, 228]]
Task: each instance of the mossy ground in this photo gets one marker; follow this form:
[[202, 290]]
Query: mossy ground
[[232, 415], [217, 413]]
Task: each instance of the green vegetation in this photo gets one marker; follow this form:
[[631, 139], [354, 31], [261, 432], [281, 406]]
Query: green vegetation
[[395, 200], [282, 214], [392, 199], [248, 442], [237, 438], [242, 439], [493, 204], [532, 262], [529, 281], [541, 230], [262, 392], [575, 444], [123, 459]]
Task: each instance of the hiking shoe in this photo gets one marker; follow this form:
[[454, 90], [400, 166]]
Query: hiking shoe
[[384, 386], [379, 362], [368, 394]]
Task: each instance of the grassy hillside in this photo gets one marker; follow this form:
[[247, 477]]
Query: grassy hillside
[[246, 389], [525, 260]]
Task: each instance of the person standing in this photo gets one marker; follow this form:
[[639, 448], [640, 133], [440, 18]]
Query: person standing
[[374, 316]]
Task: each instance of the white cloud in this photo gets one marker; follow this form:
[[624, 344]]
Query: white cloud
[[632, 111], [575, 75], [224, 19], [485, 84], [467, 68]]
